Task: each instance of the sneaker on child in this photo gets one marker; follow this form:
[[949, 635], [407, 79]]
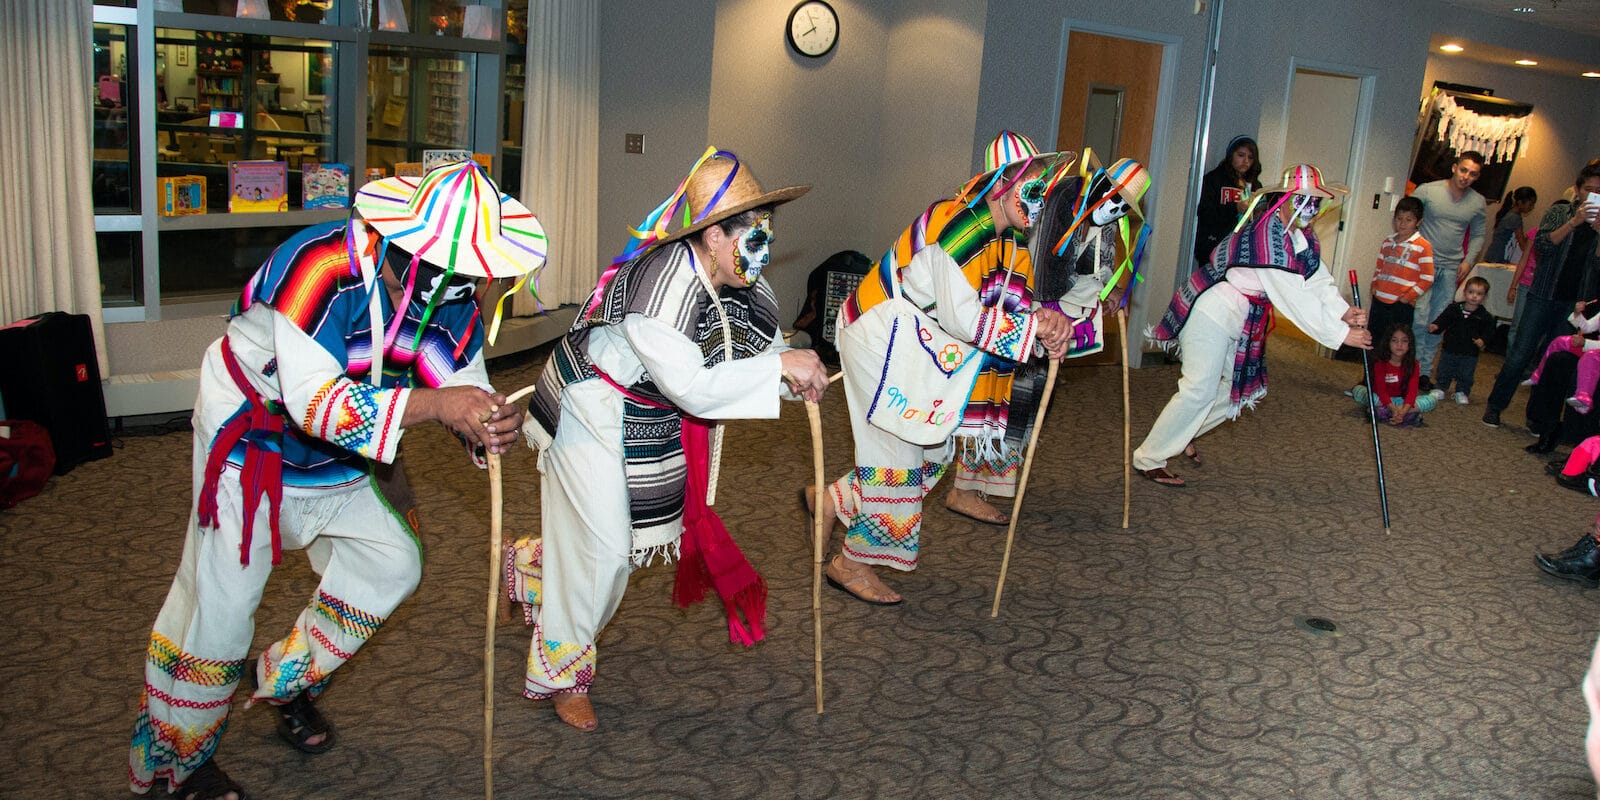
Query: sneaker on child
[[1461, 398], [1580, 403], [1436, 394]]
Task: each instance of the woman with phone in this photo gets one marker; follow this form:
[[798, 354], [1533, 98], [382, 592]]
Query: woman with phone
[[1224, 193]]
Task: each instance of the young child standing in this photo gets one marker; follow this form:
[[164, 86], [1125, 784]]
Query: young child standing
[[1394, 378], [1404, 270], [1466, 326], [1586, 345]]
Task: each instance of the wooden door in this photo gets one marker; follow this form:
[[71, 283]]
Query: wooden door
[[1108, 99]]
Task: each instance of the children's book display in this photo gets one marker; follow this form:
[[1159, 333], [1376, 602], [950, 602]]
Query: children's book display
[[439, 158], [258, 186], [408, 169], [325, 185], [181, 195]]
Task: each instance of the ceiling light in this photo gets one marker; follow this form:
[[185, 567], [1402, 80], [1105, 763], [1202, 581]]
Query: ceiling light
[[1523, 9], [1526, 62], [1451, 48], [1591, 74]]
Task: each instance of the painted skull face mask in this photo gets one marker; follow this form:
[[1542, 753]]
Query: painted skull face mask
[[754, 251], [1305, 208], [430, 282], [1030, 200]]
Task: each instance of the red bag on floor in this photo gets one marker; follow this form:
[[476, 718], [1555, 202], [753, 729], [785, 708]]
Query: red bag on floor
[[26, 460]]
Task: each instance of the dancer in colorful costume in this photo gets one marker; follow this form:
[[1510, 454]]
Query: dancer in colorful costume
[[964, 263], [1077, 272], [680, 331], [1220, 318], [349, 334]]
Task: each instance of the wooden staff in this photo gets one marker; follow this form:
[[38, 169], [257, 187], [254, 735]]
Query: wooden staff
[[496, 519], [1127, 433], [819, 532], [1022, 482]]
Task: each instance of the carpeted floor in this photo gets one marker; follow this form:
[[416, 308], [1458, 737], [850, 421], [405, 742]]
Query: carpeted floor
[[1161, 661]]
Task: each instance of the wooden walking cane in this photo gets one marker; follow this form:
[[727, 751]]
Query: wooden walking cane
[[1127, 433], [819, 533], [1022, 482], [496, 518]]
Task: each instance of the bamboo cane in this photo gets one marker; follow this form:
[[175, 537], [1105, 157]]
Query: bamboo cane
[[819, 529], [496, 521], [1127, 432], [1022, 481]]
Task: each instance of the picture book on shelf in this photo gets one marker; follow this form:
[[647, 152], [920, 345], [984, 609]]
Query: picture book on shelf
[[325, 185], [408, 169], [181, 195], [438, 158], [258, 186], [376, 174]]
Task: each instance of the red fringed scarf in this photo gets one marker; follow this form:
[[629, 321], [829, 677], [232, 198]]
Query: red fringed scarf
[[709, 557], [262, 474]]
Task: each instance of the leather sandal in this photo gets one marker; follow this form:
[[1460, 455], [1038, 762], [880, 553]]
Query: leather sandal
[[209, 782], [857, 582], [979, 508], [1192, 454], [299, 720], [575, 709], [1161, 476]]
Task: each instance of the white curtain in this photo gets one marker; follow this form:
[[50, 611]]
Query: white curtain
[[561, 147], [48, 260]]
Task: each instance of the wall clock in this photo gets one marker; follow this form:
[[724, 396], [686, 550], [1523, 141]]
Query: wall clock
[[813, 28]]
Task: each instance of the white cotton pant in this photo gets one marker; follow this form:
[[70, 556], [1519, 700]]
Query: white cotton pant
[[1207, 344], [880, 501], [581, 573], [369, 562]]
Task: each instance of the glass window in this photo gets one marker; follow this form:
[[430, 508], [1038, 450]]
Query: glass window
[[208, 262], [121, 268], [114, 174], [474, 20], [287, 115], [517, 22], [511, 110], [312, 11], [420, 99]]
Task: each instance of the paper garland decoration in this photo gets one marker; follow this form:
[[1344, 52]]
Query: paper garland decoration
[[1499, 139]]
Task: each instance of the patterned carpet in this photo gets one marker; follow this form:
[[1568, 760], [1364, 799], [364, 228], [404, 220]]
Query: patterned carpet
[[1162, 661]]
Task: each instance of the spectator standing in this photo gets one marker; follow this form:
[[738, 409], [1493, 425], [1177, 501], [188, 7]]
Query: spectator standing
[[1224, 193], [1452, 214], [1566, 248]]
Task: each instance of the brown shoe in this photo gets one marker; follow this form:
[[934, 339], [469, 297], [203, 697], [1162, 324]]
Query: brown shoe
[[575, 709], [861, 582]]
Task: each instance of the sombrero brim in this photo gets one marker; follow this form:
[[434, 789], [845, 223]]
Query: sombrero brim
[[517, 248], [774, 197], [1325, 190]]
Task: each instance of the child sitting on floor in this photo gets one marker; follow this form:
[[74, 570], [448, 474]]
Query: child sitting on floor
[[1586, 318], [1395, 375]]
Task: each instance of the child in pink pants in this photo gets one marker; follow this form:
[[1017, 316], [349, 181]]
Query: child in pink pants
[[1588, 351]]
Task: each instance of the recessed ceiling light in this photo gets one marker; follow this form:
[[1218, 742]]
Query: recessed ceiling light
[[1451, 48], [1526, 62], [1591, 74], [1523, 9]]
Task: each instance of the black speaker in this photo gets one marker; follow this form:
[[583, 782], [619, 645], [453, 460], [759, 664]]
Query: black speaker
[[49, 374]]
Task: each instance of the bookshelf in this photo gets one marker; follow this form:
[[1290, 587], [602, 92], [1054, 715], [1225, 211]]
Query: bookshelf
[[219, 70], [447, 102]]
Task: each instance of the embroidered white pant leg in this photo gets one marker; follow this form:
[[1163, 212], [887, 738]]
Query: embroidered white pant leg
[[369, 562], [980, 475], [1207, 345], [201, 640], [587, 538], [880, 501]]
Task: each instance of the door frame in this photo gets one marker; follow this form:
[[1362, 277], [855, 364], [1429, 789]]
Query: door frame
[[1367, 88], [1159, 131]]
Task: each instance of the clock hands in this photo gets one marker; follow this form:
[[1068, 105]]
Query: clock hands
[[813, 20]]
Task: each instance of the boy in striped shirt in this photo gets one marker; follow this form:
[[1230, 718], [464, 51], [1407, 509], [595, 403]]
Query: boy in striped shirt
[[1404, 271]]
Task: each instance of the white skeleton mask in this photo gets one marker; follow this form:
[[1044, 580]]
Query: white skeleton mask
[[1113, 209]]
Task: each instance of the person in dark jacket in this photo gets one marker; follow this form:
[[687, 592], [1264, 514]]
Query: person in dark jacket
[[1224, 193]]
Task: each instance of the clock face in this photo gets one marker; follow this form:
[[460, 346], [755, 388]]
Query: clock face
[[813, 28]]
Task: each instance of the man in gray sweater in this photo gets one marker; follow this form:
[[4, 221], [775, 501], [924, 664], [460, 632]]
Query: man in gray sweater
[[1453, 214]]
